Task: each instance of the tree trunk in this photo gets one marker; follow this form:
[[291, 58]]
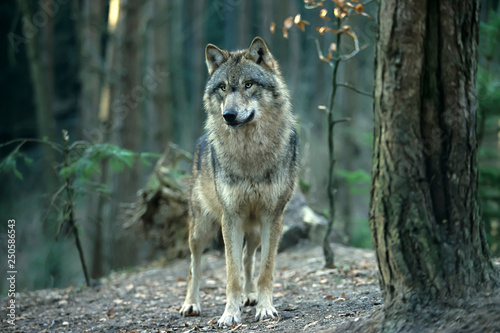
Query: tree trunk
[[100, 204], [162, 93], [39, 50], [133, 92], [91, 31], [427, 231], [198, 66], [177, 72]]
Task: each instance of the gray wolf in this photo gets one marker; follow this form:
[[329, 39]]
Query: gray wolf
[[244, 172]]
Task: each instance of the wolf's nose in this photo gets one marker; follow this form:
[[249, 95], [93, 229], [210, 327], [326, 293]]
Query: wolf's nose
[[229, 115]]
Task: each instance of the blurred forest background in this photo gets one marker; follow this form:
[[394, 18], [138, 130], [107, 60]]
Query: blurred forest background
[[132, 74]]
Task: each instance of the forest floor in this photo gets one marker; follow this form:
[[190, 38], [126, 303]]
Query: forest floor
[[308, 297]]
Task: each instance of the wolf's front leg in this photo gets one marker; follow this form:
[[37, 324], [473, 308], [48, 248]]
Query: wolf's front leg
[[232, 231], [253, 242], [271, 232]]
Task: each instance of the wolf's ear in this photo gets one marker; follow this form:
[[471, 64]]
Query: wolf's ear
[[260, 54], [215, 57]]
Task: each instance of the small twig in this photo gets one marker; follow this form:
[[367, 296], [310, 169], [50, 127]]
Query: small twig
[[356, 48], [320, 53], [54, 197], [69, 210], [54, 145], [336, 121], [347, 85], [341, 120], [79, 143]]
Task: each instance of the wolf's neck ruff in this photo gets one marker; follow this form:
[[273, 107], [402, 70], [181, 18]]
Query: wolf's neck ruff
[[251, 150]]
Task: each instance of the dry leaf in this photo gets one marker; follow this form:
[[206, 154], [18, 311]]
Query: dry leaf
[[339, 12], [302, 24], [333, 47], [339, 3], [350, 5], [349, 314], [288, 23], [272, 28], [343, 295], [322, 58], [238, 326], [299, 22], [322, 30], [285, 33], [359, 9], [329, 297], [323, 14], [311, 324], [111, 313], [297, 19], [351, 34]]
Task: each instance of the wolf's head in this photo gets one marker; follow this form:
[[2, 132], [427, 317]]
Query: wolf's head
[[243, 85]]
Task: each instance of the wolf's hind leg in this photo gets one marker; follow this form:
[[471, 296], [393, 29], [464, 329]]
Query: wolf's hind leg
[[271, 231], [198, 240], [253, 242]]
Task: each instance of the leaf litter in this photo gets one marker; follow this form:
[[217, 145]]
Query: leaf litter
[[306, 295]]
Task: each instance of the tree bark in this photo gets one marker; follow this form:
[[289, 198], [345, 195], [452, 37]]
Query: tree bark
[[41, 70], [132, 94], [427, 231], [91, 32], [198, 18], [162, 94], [177, 71]]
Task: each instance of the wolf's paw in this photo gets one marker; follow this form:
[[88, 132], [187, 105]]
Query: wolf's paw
[[229, 319], [250, 300], [190, 310], [266, 312]]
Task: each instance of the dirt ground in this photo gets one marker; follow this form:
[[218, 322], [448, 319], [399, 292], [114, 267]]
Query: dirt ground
[[308, 297]]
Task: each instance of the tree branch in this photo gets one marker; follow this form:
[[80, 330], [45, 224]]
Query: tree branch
[[53, 145], [347, 85]]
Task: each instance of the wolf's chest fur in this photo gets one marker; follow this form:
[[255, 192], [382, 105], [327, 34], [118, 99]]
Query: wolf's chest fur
[[252, 168]]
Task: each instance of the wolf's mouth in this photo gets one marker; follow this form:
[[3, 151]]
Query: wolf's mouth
[[237, 124]]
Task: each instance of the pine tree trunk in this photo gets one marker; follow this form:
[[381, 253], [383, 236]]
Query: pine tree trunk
[[91, 31], [132, 94], [162, 94], [427, 231], [177, 70], [39, 53]]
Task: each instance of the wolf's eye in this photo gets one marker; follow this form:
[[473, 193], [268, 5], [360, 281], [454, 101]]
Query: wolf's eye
[[248, 85], [223, 87]]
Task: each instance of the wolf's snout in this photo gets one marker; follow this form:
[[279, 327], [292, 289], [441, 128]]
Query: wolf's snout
[[229, 116]]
